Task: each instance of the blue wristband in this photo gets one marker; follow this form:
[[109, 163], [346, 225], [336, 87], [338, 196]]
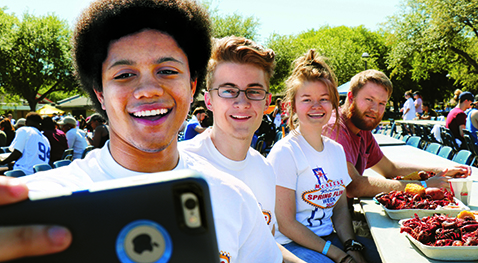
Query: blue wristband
[[326, 248], [424, 184]]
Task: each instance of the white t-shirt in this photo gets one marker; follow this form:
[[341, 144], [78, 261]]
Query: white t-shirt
[[241, 233], [254, 171], [318, 179], [33, 145], [278, 119], [76, 139], [409, 104]]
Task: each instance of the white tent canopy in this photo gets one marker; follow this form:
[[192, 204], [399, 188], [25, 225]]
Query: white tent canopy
[[344, 89]]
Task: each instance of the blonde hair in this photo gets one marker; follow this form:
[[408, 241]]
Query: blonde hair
[[243, 51], [457, 94], [309, 68]]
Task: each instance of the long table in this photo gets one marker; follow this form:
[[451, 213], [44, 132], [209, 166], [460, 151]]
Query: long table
[[393, 246], [423, 122], [385, 140]]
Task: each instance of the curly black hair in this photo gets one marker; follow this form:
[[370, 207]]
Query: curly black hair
[[107, 20]]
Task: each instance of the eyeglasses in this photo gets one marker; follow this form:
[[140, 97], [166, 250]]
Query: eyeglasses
[[229, 92]]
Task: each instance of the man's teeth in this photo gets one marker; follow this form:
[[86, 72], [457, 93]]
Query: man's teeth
[[240, 117], [148, 113]]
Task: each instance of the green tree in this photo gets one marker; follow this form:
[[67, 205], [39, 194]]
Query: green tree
[[232, 24], [34, 57], [236, 25], [435, 37], [342, 46]]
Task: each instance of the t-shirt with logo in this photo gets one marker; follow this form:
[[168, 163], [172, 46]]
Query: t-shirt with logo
[[241, 233], [33, 145], [318, 179], [254, 171]]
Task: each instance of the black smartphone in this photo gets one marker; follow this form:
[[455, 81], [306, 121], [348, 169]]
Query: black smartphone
[[160, 217]]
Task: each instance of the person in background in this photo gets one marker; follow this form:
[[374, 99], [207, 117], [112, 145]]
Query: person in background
[[456, 97], [30, 146], [82, 121], [456, 119], [361, 113], [56, 117], [409, 107], [418, 102], [3, 138], [20, 123], [194, 127], [428, 112], [312, 173], [9, 131], [101, 132], [11, 119], [75, 137], [140, 61], [239, 65], [276, 114], [472, 120], [56, 137]]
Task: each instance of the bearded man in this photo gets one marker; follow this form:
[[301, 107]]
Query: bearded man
[[361, 113]]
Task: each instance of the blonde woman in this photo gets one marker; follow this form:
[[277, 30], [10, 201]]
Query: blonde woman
[[312, 173]]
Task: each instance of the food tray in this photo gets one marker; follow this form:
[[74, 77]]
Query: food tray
[[446, 253], [409, 213]]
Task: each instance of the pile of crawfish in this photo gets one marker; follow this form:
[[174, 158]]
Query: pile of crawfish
[[441, 230], [396, 200]]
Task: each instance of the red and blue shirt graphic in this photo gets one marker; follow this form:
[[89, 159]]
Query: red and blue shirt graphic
[[326, 192]]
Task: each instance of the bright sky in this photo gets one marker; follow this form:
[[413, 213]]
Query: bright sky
[[283, 17]]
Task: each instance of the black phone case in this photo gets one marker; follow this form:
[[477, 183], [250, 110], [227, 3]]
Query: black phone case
[[97, 218]]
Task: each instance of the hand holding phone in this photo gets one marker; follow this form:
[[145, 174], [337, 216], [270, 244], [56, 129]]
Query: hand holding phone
[[160, 217], [20, 241]]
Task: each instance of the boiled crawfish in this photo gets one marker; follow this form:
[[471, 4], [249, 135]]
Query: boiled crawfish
[[396, 200], [441, 230]]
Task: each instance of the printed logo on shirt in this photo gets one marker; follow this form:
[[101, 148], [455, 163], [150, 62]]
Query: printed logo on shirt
[[326, 192], [267, 215], [320, 175], [224, 257]]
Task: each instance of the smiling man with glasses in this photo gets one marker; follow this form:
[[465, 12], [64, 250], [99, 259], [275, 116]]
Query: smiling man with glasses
[[229, 91], [238, 93]]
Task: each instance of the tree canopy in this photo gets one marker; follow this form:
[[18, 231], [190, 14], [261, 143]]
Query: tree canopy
[[34, 56], [232, 24], [341, 46], [431, 38]]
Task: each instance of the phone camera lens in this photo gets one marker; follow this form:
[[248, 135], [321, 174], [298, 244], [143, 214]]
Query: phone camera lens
[[190, 203]]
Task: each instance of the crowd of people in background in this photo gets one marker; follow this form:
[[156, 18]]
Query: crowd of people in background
[[61, 131]]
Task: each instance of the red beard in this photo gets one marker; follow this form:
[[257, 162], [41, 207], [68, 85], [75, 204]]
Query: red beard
[[357, 118]]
